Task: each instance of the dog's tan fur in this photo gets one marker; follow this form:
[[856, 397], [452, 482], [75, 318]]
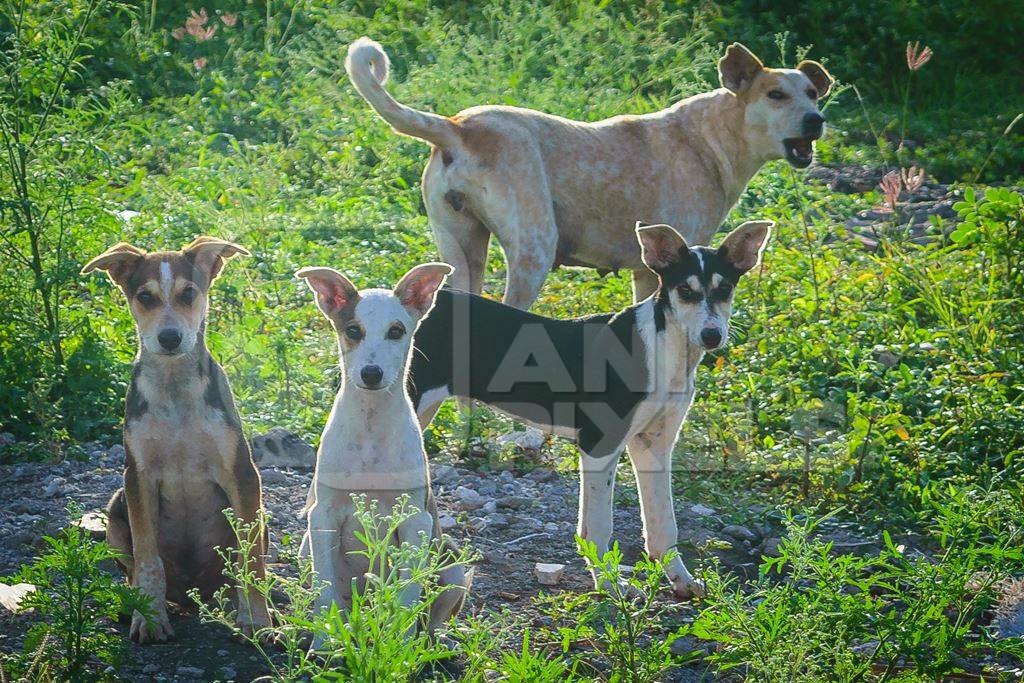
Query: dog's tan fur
[[561, 192], [187, 458]]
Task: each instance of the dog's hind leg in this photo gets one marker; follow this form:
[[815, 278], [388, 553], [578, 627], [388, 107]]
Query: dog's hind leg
[[644, 284], [461, 237], [651, 456], [119, 533]]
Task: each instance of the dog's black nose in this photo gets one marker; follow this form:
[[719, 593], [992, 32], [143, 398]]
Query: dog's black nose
[[170, 339], [814, 123], [711, 337], [371, 375]]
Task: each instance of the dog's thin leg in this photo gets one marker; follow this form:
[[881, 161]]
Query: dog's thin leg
[[644, 284], [324, 544], [462, 242], [651, 455], [597, 486], [415, 531], [242, 487], [148, 576], [528, 267]]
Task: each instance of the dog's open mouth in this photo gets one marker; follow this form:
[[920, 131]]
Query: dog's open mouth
[[799, 151]]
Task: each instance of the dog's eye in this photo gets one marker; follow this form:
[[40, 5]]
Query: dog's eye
[[687, 293], [146, 299], [776, 95], [396, 331], [354, 332], [188, 296], [812, 93], [722, 292]]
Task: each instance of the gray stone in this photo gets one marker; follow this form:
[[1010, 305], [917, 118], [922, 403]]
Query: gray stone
[[442, 474], [702, 510], [273, 477], [93, 523], [530, 441], [6, 439], [282, 448], [740, 533], [54, 487], [468, 498], [884, 356], [447, 522], [771, 547], [515, 502], [189, 672]]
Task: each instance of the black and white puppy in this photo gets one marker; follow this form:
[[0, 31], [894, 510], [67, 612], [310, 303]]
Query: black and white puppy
[[613, 381]]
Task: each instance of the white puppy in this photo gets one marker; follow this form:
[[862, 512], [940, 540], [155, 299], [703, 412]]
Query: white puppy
[[372, 444]]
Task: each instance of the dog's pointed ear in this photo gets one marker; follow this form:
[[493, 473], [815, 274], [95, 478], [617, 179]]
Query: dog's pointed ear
[[819, 76], [119, 261], [333, 290], [417, 288], [660, 246], [743, 246], [210, 253], [738, 67]]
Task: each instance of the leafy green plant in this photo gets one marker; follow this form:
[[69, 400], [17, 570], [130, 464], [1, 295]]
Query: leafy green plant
[[814, 614], [622, 621], [377, 639], [75, 599]]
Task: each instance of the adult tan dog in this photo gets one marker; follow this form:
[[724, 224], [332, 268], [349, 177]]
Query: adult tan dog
[[561, 192], [187, 458]]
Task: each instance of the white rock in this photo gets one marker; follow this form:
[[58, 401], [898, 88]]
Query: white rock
[[530, 440], [548, 574], [94, 522], [12, 596]]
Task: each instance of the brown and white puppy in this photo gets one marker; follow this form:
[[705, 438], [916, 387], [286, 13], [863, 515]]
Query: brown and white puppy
[[187, 458], [561, 192]]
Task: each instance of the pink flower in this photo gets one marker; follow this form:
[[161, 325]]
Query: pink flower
[[916, 57], [201, 34], [197, 18], [913, 178], [178, 33], [890, 186], [199, 62], [229, 19]]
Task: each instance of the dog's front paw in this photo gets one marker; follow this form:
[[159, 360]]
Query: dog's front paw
[[157, 629], [686, 587]]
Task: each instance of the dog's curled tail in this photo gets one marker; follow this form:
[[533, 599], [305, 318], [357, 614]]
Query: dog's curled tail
[[367, 66]]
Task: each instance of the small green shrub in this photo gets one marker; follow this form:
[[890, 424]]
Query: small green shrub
[[378, 639], [815, 615], [75, 600]]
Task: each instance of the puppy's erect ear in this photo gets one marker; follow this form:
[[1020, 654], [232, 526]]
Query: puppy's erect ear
[[743, 246], [333, 290], [660, 246], [738, 67], [821, 78], [209, 254], [119, 262], [417, 288]]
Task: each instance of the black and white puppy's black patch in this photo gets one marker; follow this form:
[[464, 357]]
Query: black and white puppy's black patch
[[613, 381]]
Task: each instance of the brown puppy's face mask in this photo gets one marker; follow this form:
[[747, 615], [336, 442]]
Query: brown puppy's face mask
[[167, 292]]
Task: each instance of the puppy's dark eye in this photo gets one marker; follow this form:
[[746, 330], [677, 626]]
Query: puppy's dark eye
[[354, 332], [776, 95], [812, 93], [396, 331], [146, 299], [722, 292], [687, 293], [188, 296]]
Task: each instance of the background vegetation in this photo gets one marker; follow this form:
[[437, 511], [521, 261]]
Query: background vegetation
[[878, 381]]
